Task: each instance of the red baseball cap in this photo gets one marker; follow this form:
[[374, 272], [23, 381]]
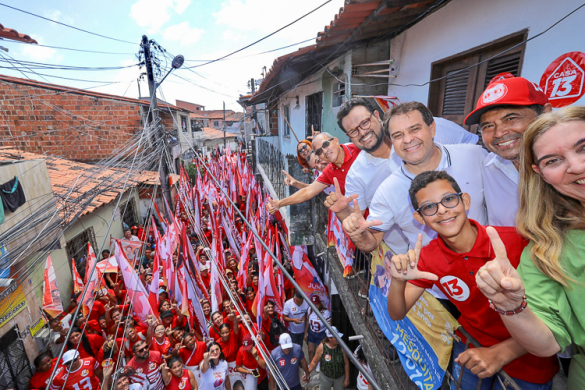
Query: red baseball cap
[[515, 91], [315, 299]]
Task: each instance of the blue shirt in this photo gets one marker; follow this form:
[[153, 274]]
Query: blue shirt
[[289, 364]]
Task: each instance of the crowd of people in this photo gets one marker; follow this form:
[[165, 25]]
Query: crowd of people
[[492, 227], [210, 321]]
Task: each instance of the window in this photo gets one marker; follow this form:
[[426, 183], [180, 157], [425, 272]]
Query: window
[[183, 123], [338, 94], [14, 364], [215, 123], [286, 120], [455, 96], [76, 248], [314, 111]]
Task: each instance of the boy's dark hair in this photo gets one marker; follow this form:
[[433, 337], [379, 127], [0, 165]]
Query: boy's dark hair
[[39, 358], [173, 360], [406, 108], [424, 179], [350, 105], [298, 295]]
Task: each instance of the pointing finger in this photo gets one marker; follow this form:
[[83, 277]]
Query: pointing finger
[[428, 275], [285, 173], [356, 208], [417, 249], [336, 184], [497, 243]]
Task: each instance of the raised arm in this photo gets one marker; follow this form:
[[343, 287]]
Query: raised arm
[[300, 196], [292, 182]]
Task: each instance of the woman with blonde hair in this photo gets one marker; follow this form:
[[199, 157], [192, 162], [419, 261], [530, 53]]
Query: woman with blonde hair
[[542, 302]]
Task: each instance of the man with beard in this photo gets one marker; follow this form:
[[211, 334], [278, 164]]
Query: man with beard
[[146, 366], [503, 121]]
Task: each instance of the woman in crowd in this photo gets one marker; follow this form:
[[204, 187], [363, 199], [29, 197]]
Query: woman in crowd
[[160, 342], [316, 330], [44, 367], [303, 149], [214, 369], [249, 302], [191, 352], [229, 343], [251, 365], [88, 345], [216, 321], [541, 302], [206, 312], [175, 377], [334, 363], [362, 382], [233, 266]]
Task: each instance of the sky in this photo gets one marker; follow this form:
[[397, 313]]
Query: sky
[[199, 30]]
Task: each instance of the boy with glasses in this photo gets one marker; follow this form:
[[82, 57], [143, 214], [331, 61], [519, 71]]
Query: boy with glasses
[[450, 262]]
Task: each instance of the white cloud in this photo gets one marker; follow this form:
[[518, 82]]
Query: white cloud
[[244, 15], [229, 35], [58, 16], [39, 54], [183, 33], [153, 14]]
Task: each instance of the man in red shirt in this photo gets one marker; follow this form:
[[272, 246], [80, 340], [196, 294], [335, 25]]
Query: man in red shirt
[[77, 373], [451, 262], [146, 366], [340, 158]]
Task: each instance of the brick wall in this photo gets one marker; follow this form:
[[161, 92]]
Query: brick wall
[[74, 126]]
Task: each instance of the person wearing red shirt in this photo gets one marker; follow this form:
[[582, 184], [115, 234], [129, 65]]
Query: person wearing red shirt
[[88, 345], [191, 353], [340, 157], [77, 373], [160, 342], [44, 365], [251, 365], [249, 302], [176, 377], [216, 321], [451, 262], [205, 276], [146, 366]]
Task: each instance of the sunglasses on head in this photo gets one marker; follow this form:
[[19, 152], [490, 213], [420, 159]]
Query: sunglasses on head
[[325, 145]]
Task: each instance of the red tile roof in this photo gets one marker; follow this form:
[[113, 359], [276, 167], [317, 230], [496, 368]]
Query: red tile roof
[[9, 33], [104, 185], [211, 133]]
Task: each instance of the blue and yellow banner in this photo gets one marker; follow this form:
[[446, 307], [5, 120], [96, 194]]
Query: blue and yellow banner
[[421, 339]]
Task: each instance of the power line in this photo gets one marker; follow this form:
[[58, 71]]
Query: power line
[[66, 25], [263, 38], [70, 48]]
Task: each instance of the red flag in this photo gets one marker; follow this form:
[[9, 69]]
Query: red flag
[[77, 281], [154, 284], [93, 281], [51, 297]]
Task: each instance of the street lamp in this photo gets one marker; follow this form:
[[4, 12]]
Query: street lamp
[[176, 64]]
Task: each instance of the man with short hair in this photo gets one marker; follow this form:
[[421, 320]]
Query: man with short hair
[[412, 128], [146, 366], [77, 373], [129, 236], [287, 357], [503, 112], [340, 158], [295, 315]]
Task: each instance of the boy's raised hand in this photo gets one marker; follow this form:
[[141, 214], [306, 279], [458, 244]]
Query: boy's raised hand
[[498, 280], [405, 267]]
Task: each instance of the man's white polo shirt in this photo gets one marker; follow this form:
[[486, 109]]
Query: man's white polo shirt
[[500, 178], [391, 203]]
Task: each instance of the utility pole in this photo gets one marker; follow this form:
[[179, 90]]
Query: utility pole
[[164, 168], [224, 145], [254, 116]]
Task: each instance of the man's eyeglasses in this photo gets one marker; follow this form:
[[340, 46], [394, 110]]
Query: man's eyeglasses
[[364, 125], [140, 350], [449, 201], [325, 145]]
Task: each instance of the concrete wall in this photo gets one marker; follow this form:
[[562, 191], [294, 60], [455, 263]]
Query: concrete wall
[[462, 25]]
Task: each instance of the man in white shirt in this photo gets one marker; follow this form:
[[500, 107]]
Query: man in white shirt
[[504, 111], [129, 236], [412, 128], [295, 315]]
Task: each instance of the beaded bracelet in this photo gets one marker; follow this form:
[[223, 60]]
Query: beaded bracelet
[[519, 309]]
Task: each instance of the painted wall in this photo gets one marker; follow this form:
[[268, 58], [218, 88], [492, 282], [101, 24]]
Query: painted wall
[[462, 25]]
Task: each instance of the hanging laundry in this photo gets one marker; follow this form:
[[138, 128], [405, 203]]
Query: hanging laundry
[[12, 195]]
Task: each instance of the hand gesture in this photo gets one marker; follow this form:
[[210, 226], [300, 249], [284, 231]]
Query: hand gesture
[[498, 280], [306, 378], [150, 321], [164, 367], [288, 179], [174, 306], [206, 356], [63, 332], [483, 362], [355, 224], [169, 331], [272, 206], [405, 267], [336, 201], [298, 321], [108, 307], [108, 370]]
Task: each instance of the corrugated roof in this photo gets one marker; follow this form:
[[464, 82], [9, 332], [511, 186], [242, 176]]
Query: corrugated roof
[[356, 22], [12, 34], [93, 182], [78, 91]]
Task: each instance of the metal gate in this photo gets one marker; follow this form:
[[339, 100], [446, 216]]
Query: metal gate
[[15, 371]]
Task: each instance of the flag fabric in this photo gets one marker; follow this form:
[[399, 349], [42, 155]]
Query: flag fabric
[[154, 285], [131, 248], [344, 247], [108, 266], [93, 280], [52, 304], [77, 281], [136, 292], [306, 276]]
